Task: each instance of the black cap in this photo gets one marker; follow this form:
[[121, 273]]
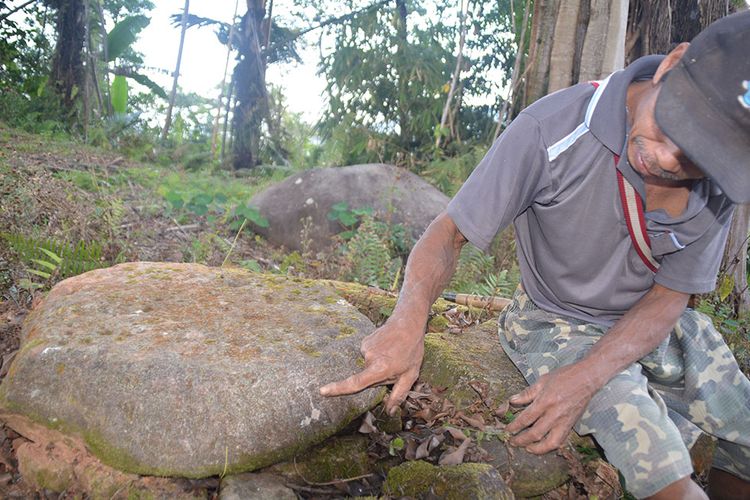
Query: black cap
[[704, 105]]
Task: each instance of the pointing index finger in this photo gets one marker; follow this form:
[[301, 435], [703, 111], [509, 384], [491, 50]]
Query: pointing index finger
[[355, 383]]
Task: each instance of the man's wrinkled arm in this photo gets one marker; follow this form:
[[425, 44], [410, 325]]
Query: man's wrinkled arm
[[638, 332], [393, 353], [558, 399], [429, 269]]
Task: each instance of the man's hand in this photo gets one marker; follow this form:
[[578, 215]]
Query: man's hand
[[393, 355], [555, 403], [558, 399]]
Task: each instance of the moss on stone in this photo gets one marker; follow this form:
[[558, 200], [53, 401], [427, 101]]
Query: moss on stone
[[123, 461], [378, 305], [454, 482], [442, 364], [453, 361], [438, 323], [337, 458], [346, 331]]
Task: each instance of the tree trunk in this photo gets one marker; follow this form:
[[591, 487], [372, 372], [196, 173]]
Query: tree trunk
[[509, 104], [735, 259], [230, 96], [67, 78], [561, 56], [251, 104], [574, 41], [172, 96], [656, 26], [107, 101], [403, 113], [542, 34]]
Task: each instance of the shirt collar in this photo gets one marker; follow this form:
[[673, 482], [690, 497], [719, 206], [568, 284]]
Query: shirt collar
[[609, 122]]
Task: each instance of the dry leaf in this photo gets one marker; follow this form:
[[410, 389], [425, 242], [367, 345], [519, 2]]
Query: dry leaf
[[456, 434], [418, 395], [446, 407], [456, 456], [481, 388], [435, 441], [474, 421], [426, 414], [7, 360], [423, 449], [368, 426]]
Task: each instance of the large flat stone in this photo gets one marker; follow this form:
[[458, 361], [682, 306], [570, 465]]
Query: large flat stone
[[185, 370]]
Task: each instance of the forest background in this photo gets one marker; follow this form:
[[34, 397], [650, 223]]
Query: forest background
[[100, 164]]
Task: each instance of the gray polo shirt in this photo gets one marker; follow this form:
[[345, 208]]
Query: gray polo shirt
[[552, 173]]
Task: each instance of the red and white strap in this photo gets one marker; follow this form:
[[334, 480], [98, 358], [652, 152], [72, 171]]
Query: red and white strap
[[632, 206]]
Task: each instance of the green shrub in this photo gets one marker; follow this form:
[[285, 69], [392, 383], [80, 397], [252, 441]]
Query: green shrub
[[370, 258]]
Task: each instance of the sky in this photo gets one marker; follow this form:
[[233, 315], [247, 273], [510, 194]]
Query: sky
[[204, 57]]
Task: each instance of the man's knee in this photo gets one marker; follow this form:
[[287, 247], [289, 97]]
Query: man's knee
[[683, 488]]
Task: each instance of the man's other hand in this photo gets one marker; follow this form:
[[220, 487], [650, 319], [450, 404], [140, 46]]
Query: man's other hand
[[393, 355], [555, 403]]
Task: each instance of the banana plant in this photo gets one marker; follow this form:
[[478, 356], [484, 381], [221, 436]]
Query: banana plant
[[119, 39]]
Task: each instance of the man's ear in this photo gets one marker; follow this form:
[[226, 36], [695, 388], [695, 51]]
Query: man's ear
[[670, 61]]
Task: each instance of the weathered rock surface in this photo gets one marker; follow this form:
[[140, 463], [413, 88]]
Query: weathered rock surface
[[452, 482], [453, 361], [255, 486], [396, 195], [184, 370]]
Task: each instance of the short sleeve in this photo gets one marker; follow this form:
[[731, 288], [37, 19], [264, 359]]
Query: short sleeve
[[505, 183], [693, 269]]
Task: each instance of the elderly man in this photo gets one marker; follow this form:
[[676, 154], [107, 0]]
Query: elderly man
[[621, 194]]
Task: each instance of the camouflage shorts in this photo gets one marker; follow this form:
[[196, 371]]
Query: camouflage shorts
[[648, 416]]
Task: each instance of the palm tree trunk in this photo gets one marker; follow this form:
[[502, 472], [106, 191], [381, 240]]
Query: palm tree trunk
[[456, 73], [251, 100], [168, 121], [67, 76], [215, 134]]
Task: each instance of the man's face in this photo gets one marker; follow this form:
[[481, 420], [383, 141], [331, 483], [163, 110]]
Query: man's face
[[651, 153]]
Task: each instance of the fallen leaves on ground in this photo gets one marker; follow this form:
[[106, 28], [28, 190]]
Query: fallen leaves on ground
[[433, 430]]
